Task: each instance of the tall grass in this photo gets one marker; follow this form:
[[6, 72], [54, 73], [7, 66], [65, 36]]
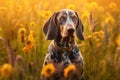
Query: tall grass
[[23, 45]]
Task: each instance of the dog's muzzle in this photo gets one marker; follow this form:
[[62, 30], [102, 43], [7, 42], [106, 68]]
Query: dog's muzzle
[[70, 29]]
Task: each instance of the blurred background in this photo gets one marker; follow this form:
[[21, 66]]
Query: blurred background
[[23, 45]]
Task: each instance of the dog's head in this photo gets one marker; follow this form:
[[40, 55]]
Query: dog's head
[[64, 22]]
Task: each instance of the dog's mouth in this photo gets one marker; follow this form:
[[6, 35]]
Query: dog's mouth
[[71, 34], [67, 41]]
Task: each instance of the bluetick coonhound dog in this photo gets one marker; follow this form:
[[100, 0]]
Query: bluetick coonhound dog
[[61, 28]]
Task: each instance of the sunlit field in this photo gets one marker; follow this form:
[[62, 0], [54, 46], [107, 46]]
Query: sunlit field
[[23, 45]]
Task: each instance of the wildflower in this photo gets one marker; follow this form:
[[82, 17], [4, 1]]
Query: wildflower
[[31, 38], [93, 5], [22, 31], [98, 44], [48, 70], [98, 40], [32, 32], [45, 14], [110, 20], [26, 49], [112, 5], [85, 15], [29, 44], [89, 37], [95, 38], [32, 24], [6, 69], [18, 8], [71, 6], [3, 8], [98, 35], [70, 69], [21, 34], [118, 40], [20, 25], [101, 33]]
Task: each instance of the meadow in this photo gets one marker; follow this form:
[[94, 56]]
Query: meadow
[[23, 45]]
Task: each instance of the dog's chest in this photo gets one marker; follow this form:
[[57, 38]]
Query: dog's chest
[[65, 57]]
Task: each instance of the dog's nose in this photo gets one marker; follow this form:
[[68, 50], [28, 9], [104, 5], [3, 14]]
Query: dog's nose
[[71, 30]]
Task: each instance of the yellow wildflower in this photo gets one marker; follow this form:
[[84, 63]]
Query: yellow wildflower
[[31, 38], [3, 8], [110, 20], [99, 34], [29, 44], [70, 69], [85, 15], [48, 13], [32, 32], [89, 37], [20, 25], [22, 31], [98, 44], [32, 42], [18, 8], [32, 24], [45, 14], [26, 49], [71, 6], [112, 5], [118, 40], [6, 69], [93, 5], [48, 70]]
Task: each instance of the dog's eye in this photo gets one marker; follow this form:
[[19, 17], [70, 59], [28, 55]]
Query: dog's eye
[[74, 18], [63, 18]]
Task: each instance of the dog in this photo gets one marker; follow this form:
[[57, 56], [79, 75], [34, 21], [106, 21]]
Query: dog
[[61, 28]]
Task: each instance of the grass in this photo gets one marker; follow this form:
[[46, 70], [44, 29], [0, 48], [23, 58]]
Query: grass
[[23, 45]]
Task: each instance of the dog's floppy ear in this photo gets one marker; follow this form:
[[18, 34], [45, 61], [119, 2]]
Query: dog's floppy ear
[[50, 28], [79, 28]]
